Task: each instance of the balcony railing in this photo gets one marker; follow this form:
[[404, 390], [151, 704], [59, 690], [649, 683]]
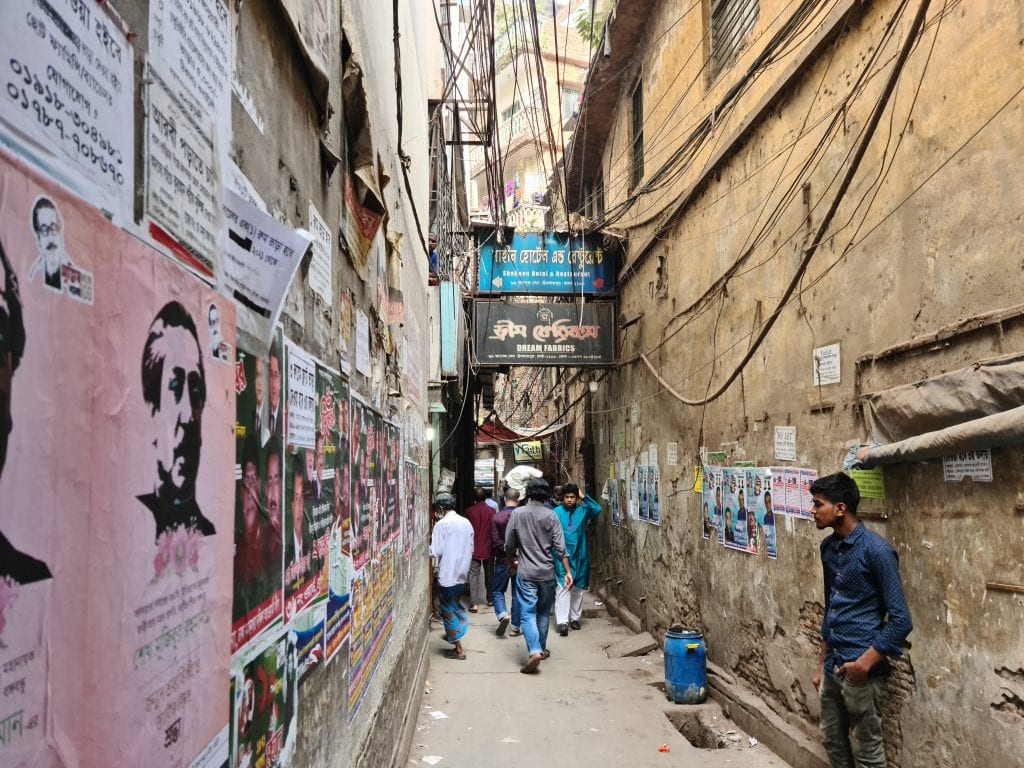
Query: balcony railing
[[515, 131]]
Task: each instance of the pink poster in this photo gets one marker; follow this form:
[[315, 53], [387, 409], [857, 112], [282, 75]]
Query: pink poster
[[115, 561]]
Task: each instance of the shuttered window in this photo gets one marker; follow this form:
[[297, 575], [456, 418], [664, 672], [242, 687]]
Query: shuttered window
[[731, 22]]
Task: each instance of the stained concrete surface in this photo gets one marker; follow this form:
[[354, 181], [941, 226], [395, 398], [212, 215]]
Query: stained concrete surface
[[583, 708]]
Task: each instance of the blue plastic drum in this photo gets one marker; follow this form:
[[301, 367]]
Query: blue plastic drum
[[686, 669]]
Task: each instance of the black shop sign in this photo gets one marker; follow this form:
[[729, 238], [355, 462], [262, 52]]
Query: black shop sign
[[544, 334]]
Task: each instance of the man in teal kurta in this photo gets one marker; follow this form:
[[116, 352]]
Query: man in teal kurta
[[573, 513]]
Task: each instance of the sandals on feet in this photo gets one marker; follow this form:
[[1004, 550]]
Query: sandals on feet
[[452, 654]]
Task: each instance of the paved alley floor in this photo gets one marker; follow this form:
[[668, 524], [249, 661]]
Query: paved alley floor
[[583, 709]]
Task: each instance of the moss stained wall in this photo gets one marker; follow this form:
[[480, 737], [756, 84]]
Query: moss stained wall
[[928, 234]]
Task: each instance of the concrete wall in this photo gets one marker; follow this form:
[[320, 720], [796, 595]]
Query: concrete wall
[[285, 165], [927, 235]]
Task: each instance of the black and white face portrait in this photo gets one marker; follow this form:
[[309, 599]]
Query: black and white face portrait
[[49, 232], [216, 340], [174, 386]]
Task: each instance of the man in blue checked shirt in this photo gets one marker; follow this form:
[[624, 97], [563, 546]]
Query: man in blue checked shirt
[[866, 621]]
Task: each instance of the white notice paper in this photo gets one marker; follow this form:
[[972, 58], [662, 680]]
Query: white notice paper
[[301, 414], [320, 266], [785, 443], [652, 455], [976, 465], [826, 365], [362, 343], [261, 256], [634, 413], [672, 454], [66, 101], [181, 177]]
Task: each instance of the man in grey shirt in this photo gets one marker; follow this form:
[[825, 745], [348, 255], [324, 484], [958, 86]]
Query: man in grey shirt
[[534, 537]]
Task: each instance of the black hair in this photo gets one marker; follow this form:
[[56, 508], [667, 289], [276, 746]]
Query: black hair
[[570, 488], [173, 315], [838, 487], [12, 326], [538, 490], [41, 203], [251, 452]]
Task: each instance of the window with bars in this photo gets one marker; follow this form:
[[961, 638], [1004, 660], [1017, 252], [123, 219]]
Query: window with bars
[[569, 98], [731, 22], [637, 133]]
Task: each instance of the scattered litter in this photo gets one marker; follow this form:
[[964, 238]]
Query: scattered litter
[[734, 739], [437, 714], [594, 730], [753, 741], [509, 740], [427, 706], [598, 603], [432, 759], [664, 748]]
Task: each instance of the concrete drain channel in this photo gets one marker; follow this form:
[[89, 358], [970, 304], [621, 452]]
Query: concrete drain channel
[[697, 724]]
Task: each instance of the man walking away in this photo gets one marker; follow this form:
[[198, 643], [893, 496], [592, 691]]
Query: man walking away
[[504, 567], [452, 544], [866, 620], [480, 573], [573, 513], [535, 538]]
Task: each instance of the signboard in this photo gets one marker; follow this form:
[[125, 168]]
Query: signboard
[[826, 365], [529, 450], [66, 104], [785, 443], [545, 262], [976, 465], [545, 334]]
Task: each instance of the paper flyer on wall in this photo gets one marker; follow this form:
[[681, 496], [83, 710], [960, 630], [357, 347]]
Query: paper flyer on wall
[[265, 696], [259, 468], [113, 347], [654, 494], [791, 490], [613, 503], [390, 455], [711, 502], [306, 633], [362, 520], [332, 392], [300, 416], [261, 256], [759, 499], [641, 482], [68, 102], [411, 496], [806, 477]]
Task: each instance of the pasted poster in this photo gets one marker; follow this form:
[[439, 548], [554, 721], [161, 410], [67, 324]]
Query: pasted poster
[[182, 181], [265, 706], [613, 502], [189, 69], [359, 636], [641, 483], [312, 24], [390, 458], [301, 412], [410, 501], [803, 493], [373, 618], [759, 499], [734, 501], [791, 489], [361, 516], [332, 393], [654, 495], [67, 98], [259, 470], [138, 374], [306, 632], [374, 470], [261, 256], [304, 556], [709, 503]]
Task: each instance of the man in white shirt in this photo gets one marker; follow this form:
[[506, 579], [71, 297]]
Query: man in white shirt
[[451, 544]]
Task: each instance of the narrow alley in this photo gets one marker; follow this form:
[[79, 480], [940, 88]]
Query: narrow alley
[[584, 708]]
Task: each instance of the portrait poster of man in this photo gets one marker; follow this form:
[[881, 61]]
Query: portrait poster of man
[[144, 515], [375, 469], [390, 452], [362, 516], [264, 715], [259, 474], [302, 566], [410, 501], [339, 555]]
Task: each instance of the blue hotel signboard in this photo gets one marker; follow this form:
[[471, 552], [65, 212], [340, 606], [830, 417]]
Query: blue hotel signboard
[[545, 263]]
